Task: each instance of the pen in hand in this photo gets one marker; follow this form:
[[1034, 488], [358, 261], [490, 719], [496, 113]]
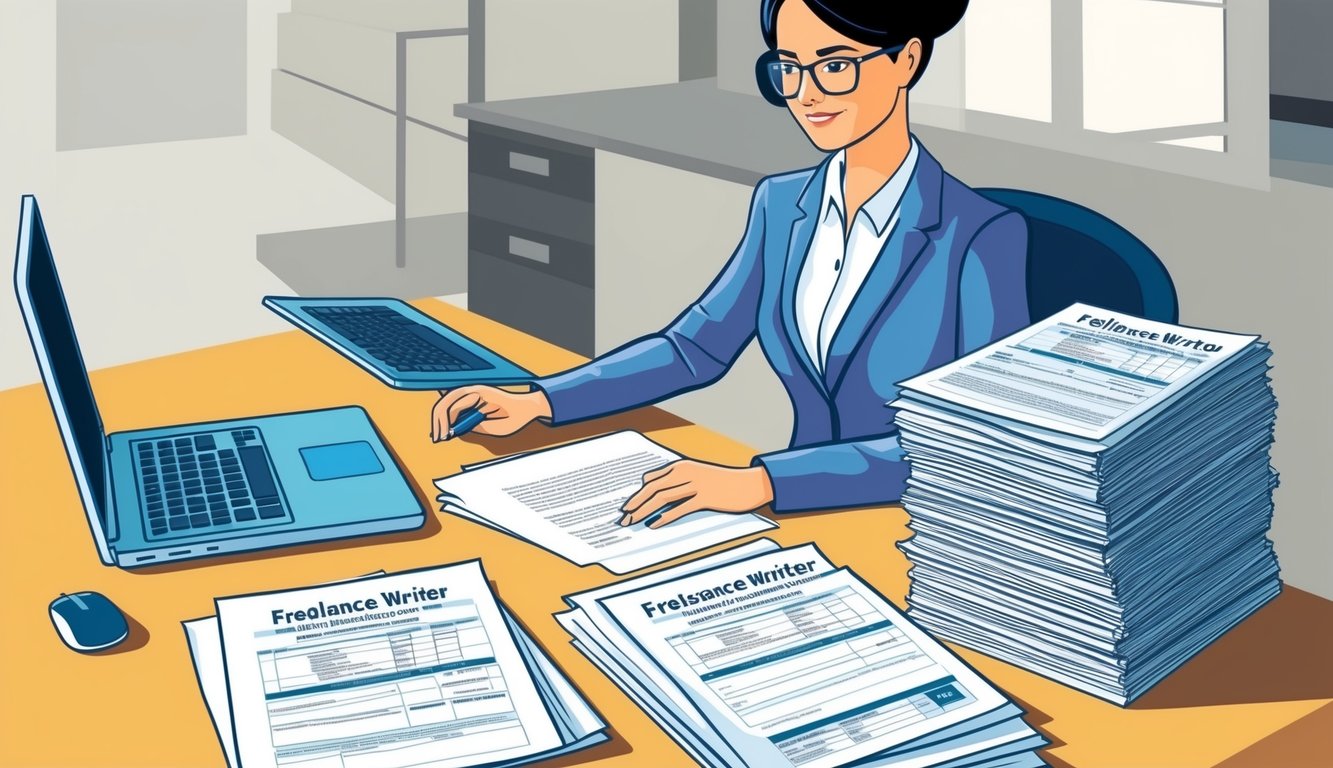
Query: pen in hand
[[654, 517], [468, 420]]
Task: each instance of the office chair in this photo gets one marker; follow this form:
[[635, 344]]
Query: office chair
[[1077, 254]]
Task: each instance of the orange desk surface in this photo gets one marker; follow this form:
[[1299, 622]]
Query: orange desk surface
[[1260, 696]]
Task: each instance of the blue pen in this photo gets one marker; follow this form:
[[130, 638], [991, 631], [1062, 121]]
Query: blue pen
[[654, 517], [466, 422]]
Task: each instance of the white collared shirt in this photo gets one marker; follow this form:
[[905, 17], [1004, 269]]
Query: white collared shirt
[[837, 265]]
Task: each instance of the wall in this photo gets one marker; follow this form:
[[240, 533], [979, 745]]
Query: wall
[[1302, 62], [139, 71], [739, 43], [137, 229], [698, 39], [540, 48]]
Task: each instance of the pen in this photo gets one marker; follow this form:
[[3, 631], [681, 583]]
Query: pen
[[654, 517], [466, 422]]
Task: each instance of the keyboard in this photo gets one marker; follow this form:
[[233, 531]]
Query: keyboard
[[397, 340], [209, 480]]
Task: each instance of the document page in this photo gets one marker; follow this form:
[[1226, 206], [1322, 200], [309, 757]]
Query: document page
[[202, 635], [1084, 371], [801, 666], [567, 500], [598, 637], [211, 672], [410, 669]]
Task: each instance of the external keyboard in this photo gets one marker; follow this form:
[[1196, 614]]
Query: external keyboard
[[208, 480], [397, 340]]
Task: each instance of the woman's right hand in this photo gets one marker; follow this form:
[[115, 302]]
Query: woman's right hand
[[505, 412]]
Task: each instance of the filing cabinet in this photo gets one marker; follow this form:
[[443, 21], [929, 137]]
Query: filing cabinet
[[531, 235]]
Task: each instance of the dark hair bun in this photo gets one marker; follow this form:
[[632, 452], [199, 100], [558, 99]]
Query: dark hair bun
[[875, 22]]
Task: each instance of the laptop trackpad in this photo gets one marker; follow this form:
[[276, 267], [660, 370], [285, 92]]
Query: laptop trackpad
[[339, 460]]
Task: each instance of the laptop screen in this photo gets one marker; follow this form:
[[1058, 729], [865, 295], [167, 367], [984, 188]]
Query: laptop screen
[[66, 378]]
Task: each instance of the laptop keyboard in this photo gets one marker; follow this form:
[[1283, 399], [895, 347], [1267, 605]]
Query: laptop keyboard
[[397, 340], [211, 480]]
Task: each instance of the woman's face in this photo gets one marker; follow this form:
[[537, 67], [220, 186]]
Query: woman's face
[[834, 122]]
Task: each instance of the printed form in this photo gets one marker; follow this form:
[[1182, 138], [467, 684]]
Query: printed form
[[598, 637], [411, 669], [802, 666], [1084, 372]]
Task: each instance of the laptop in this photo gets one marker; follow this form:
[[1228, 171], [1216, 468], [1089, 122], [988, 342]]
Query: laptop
[[397, 343], [195, 490]]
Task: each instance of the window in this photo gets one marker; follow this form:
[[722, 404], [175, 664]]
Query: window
[[1180, 85]]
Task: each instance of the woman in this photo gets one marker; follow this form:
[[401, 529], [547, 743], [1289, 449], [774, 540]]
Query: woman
[[863, 271]]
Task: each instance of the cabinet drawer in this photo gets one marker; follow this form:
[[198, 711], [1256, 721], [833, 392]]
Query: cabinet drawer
[[532, 209], [531, 301], [535, 250], [531, 161]]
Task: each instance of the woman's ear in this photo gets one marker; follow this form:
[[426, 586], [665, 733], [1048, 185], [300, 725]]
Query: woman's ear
[[909, 61], [765, 81]]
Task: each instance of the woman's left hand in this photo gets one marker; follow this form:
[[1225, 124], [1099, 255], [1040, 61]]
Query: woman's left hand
[[695, 485]]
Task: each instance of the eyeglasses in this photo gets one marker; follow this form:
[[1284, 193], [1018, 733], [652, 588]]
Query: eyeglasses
[[834, 76]]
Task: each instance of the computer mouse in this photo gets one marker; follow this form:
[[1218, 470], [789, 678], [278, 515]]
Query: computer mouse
[[88, 621]]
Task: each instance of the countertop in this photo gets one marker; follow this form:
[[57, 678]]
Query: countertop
[[724, 134]]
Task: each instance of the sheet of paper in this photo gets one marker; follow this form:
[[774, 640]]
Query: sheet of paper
[[205, 643], [795, 664], [1084, 372], [416, 668], [581, 724], [211, 672], [567, 500], [589, 624]]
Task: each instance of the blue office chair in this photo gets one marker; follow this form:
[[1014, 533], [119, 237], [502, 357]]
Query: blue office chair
[[1077, 254]]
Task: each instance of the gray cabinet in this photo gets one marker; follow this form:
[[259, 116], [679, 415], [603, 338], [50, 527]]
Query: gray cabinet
[[531, 235]]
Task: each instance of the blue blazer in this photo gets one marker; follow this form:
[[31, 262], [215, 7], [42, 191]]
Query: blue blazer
[[951, 278]]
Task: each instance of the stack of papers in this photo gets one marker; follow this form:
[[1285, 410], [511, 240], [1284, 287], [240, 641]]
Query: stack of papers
[[567, 500], [422, 668], [761, 656], [1091, 496]]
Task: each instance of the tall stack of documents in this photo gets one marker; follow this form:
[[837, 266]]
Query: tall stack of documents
[[761, 656], [1091, 496], [421, 668]]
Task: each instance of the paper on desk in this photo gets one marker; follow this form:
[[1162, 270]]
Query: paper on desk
[[579, 723], [211, 673], [649, 687], [779, 659], [312, 691], [567, 500]]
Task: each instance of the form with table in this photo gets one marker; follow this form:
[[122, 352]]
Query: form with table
[[1262, 695]]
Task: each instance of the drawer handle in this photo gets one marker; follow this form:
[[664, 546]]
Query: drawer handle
[[529, 163], [530, 249]]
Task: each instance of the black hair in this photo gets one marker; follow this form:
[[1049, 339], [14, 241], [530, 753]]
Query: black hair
[[881, 23]]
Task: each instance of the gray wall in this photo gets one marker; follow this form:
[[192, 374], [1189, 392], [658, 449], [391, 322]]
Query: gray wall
[[140, 71], [738, 43], [1243, 260], [698, 39], [541, 48], [1302, 62]]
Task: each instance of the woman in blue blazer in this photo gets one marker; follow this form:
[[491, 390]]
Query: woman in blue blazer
[[866, 270]]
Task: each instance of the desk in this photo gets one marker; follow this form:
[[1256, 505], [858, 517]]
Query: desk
[[1263, 695]]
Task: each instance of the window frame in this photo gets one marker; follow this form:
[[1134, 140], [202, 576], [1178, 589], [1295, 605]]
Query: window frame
[[1245, 160]]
